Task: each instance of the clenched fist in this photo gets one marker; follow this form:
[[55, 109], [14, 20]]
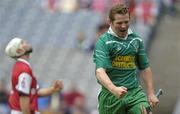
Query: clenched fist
[[57, 86]]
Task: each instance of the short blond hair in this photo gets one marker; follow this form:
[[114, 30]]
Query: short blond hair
[[118, 9]]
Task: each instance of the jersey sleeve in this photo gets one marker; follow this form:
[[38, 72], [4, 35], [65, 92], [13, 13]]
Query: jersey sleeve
[[24, 83], [142, 59], [101, 55]]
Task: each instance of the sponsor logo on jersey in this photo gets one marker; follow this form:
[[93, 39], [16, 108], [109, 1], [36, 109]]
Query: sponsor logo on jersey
[[127, 62]]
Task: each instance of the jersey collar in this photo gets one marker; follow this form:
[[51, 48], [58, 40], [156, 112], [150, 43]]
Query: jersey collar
[[24, 61], [110, 31]]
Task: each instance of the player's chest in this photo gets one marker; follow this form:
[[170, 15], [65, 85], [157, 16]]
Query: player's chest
[[129, 47]]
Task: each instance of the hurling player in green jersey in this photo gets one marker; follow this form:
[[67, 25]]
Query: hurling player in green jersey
[[119, 54]]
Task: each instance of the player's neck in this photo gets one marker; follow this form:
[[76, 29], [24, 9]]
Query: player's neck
[[25, 57]]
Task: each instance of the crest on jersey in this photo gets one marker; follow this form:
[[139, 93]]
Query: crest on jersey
[[33, 91]]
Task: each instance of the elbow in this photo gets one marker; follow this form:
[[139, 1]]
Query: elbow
[[99, 71]]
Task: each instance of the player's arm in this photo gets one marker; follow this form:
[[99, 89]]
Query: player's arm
[[23, 88], [146, 75], [56, 87], [25, 104], [143, 66], [104, 79], [101, 59], [107, 83]]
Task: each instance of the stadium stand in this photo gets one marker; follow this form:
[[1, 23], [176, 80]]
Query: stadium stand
[[53, 36]]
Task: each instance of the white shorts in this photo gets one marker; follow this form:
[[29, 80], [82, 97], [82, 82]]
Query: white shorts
[[18, 112]]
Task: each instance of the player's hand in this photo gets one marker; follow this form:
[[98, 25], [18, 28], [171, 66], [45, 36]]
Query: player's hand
[[119, 91], [153, 100], [57, 86]]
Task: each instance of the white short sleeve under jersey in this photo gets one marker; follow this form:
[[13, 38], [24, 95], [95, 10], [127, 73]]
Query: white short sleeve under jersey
[[24, 83]]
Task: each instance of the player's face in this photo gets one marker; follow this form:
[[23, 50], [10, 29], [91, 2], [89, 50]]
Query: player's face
[[121, 24], [27, 47]]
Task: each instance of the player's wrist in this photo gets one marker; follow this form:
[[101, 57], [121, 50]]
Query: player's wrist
[[52, 89], [112, 88], [151, 92]]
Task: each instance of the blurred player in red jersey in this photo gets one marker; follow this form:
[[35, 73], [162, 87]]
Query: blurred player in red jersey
[[25, 92]]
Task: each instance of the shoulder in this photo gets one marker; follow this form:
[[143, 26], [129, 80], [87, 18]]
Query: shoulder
[[135, 36], [21, 66], [104, 38]]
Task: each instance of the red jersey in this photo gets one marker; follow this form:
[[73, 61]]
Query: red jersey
[[23, 81]]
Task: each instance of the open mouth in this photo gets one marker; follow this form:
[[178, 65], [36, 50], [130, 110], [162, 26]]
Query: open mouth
[[122, 30]]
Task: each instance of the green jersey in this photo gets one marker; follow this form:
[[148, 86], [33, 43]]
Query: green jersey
[[121, 58]]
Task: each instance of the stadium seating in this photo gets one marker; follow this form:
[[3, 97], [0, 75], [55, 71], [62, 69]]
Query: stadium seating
[[54, 38]]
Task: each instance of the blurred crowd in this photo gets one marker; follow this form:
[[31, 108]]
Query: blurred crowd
[[145, 17], [71, 101], [4, 93]]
